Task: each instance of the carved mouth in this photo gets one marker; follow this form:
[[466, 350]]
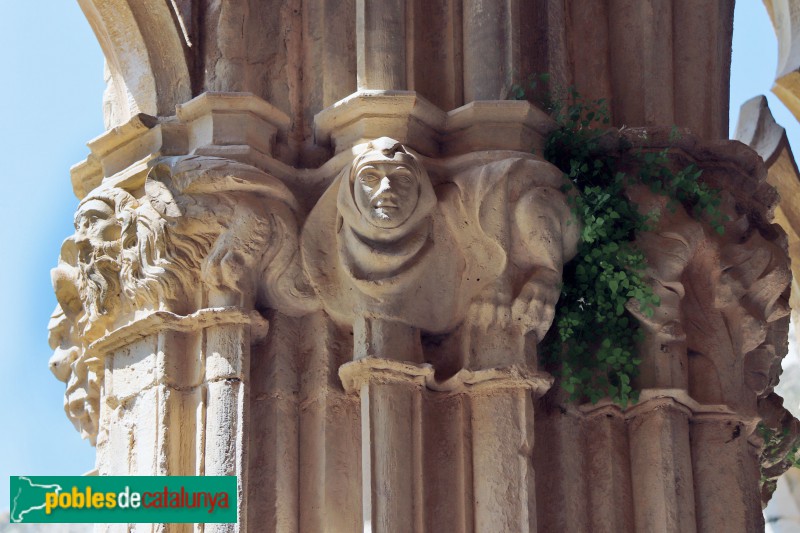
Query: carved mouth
[[386, 203]]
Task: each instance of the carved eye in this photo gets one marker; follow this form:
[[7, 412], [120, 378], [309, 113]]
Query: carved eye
[[402, 176], [369, 177]]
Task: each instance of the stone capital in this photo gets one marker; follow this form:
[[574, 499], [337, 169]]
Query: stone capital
[[373, 370]]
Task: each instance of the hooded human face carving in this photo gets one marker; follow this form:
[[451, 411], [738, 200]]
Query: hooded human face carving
[[385, 195], [386, 190]]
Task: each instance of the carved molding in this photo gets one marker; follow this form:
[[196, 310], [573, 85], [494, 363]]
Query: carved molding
[[147, 69]]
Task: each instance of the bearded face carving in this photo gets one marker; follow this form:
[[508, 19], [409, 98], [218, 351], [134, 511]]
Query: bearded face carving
[[89, 291], [87, 279], [204, 230], [114, 265], [97, 239]]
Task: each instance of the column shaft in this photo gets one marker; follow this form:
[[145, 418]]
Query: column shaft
[[661, 470], [503, 477], [391, 453]]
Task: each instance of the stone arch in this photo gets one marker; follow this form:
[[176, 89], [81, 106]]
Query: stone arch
[[784, 15], [145, 52]]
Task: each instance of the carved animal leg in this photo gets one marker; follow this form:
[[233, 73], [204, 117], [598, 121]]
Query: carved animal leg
[[386, 339]]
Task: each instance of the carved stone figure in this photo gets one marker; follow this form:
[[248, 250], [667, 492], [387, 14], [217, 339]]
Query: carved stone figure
[[88, 287], [89, 290], [247, 222], [82, 396], [87, 278], [203, 234], [746, 287], [391, 255]]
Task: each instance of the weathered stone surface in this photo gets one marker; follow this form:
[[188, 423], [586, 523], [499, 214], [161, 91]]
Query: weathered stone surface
[[759, 130], [316, 244], [391, 255], [784, 15]]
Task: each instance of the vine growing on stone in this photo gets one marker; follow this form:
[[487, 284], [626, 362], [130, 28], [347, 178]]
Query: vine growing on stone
[[592, 345], [775, 447]]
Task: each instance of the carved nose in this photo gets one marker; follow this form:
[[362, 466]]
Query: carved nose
[[385, 185], [83, 246], [80, 237]]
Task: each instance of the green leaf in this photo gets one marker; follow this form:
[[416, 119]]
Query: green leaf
[[594, 339], [613, 285]]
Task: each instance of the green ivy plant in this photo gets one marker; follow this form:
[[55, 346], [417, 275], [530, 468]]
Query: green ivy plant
[[592, 346], [774, 447]]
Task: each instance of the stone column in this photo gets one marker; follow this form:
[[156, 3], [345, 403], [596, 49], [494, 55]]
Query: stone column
[[488, 49], [661, 467], [724, 466], [330, 426], [227, 372], [172, 404], [447, 463], [391, 441], [504, 487], [381, 44], [561, 460], [607, 458]]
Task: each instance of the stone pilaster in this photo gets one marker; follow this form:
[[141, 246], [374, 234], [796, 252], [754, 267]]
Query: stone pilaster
[[391, 441], [502, 427]]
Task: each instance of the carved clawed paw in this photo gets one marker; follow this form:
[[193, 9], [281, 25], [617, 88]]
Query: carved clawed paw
[[225, 269], [490, 312], [534, 308], [531, 311], [491, 309], [230, 267]]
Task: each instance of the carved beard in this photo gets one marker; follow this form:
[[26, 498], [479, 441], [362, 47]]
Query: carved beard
[[81, 400], [99, 287]]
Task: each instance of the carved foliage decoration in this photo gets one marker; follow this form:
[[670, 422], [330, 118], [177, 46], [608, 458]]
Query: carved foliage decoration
[[723, 296], [721, 330]]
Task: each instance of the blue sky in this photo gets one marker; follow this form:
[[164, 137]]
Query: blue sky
[[50, 104]]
